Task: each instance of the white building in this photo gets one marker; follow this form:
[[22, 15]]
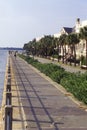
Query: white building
[[66, 30], [79, 25], [81, 47]]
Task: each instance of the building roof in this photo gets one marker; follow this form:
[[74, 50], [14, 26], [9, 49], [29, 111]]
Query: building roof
[[68, 30], [75, 29]]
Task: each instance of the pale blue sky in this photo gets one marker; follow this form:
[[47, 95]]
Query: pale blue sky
[[23, 20]]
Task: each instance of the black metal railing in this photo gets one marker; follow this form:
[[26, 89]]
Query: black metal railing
[[8, 106]]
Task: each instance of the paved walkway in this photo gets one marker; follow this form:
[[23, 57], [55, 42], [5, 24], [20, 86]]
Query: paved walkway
[[40, 104], [66, 67], [1, 122]]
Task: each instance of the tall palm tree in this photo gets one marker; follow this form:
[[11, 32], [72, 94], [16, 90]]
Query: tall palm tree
[[25, 47], [46, 42], [83, 35], [62, 41], [57, 47], [34, 46], [53, 46], [72, 39]]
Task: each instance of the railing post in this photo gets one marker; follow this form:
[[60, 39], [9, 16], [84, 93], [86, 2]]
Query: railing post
[[9, 70], [8, 87], [8, 98], [8, 117]]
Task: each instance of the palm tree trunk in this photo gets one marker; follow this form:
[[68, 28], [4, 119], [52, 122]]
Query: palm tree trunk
[[58, 53], [74, 55], [63, 54], [86, 52]]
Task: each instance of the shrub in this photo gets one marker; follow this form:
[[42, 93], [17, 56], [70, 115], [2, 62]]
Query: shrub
[[58, 75]]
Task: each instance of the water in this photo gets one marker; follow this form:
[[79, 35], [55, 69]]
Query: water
[[3, 61]]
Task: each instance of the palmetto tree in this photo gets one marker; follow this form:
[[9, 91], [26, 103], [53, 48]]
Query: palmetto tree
[[57, 43], [53, 46], [46, 42], [72, 39], [83, 35], [62, 42]]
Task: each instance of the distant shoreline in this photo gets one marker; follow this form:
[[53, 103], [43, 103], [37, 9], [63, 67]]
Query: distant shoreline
[[10, 48]]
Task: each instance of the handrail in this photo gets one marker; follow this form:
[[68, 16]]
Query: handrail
[[8, 106]]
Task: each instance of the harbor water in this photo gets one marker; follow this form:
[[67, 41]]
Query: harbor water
[[3, 62]]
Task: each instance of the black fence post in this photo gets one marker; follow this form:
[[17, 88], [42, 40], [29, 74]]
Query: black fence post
[[8, 98], [8, 117]]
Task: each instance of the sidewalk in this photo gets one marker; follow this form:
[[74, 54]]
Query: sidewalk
[[18, 122], [1, 122], [44, 104], [66, 67], [41, 104]]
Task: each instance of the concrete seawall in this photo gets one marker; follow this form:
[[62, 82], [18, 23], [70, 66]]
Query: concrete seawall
[[6, 100], [10, 112]]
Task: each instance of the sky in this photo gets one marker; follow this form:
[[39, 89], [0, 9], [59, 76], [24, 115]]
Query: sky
[[23, 20]]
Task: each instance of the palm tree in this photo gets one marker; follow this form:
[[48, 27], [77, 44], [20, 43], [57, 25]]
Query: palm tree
[[57, 46], [72, 39], [83, 35], [46, 43], [53, 46], [34, 46], [57, 43], [62, 41], [25, 47]]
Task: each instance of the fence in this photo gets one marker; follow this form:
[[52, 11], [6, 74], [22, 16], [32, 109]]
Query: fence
[[8, 106]]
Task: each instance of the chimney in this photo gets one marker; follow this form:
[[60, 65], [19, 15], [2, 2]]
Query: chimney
[[78, 21], [78, 25]]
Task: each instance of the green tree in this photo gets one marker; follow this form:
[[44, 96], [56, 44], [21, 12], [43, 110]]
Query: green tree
[[72, 39], [62, 42], [46, 43], [83, 35]]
